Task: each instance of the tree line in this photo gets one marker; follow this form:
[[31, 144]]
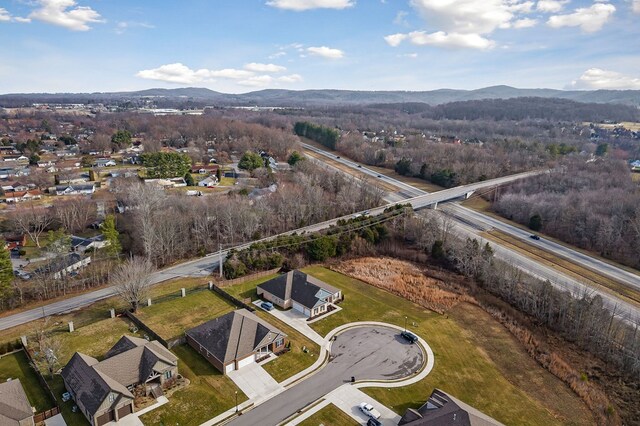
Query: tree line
[[321, 134]]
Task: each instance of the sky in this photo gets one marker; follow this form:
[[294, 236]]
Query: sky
[[237, 46]]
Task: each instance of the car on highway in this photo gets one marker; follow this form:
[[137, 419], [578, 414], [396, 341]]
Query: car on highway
[[412, 338], [267, 306], [359, 166], [379, 176], [534, 237], [368, 410], [338, 157]]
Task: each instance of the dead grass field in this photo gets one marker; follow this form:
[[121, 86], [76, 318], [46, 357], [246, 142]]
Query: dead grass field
[[578, 272]]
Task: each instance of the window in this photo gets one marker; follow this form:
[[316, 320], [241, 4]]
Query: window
[[112, 397], [168, 374], [279, 342]]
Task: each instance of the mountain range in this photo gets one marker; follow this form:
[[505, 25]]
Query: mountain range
[[330, 97]]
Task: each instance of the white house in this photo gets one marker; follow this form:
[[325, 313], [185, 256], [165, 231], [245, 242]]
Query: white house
[[209, 182], [75, 189]]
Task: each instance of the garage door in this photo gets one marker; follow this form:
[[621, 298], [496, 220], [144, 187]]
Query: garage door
[[229, 368], [105, 418], [298, 307], [246, 361], [123, 411]]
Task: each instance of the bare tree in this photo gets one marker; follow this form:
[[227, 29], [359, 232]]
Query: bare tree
[[31, 220], [132, 280], [46, 356]]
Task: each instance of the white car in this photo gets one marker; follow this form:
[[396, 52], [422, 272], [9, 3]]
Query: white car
[[369, 410]]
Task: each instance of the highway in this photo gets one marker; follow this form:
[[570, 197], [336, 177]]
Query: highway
[[470, 223]]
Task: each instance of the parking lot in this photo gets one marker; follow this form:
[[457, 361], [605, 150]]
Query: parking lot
[[366, 353]]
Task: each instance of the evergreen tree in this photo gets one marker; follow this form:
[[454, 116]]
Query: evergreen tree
[[111, 235], [251, 161], [6, 272], [189, 179], [535, 222]]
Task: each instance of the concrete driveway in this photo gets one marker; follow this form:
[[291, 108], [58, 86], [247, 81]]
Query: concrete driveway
[[368, 353], [296, 320], [255, 382]]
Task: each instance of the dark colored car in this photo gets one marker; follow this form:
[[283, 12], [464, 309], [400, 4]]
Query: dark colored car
[[534, 236], [409, 336], [373, 422], [267, 306], [359, 166]]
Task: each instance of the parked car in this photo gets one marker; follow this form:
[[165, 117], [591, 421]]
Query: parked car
[[534, 236], [374, 422], [409, 336], [369, 410], [267, 306]]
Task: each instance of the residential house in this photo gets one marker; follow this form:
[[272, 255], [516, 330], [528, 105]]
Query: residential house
[[15, 240], [167, 183], [104, 162], [635, 165], [59, 268], [80, 245], [209, 182], [203, 170], [20, 196], [16, 158], [15, 408], [304, 293], [15, 186], [258, 193], [235, 340], [443, 409], [103, 391], [75, 189]]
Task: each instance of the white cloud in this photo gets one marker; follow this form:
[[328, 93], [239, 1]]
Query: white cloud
[[589, 19], [4, 15], [597, 78], [65, 13], [253, 66], [181, 74], [450, 40], [230, 73], [551, 6], [326, 52], [300, 5], [525, 23], [22, 20], [175, 73], [465, 23], [636, 6], [400, 18], [123, 26]]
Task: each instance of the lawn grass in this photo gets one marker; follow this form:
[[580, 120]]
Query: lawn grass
[[635, 177], [172, 318], [296, 359], [16, 366], [565, 266], [71, 419], [208, 394], [227, 181], [476, 359], [247, 289], [329, 416]]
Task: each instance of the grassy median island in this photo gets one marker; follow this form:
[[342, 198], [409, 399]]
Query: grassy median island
[[476, 359], [209, 393], [329, 415]]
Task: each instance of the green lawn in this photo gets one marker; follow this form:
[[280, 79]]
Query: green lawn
[[16, 366], [247, 289], [476, 359], [71, 418], [172, 318], [329, 416], [208, 394]]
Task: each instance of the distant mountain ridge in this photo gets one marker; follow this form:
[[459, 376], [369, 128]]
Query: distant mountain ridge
[[331, 97]]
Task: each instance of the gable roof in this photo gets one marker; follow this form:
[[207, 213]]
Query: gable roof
[[14, 404], [300, 287], [60, 264], [442, 409], [129, 362], [234, 335]]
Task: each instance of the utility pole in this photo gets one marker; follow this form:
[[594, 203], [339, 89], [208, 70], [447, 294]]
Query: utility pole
[[220, 258]]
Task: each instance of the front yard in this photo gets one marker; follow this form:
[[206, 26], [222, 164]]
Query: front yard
[[208, 394], [329, 415], [476, 359]]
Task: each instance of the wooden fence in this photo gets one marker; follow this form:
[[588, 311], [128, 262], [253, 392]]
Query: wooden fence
[[154, 336], [226, 283], [47, 414], [239, 303]]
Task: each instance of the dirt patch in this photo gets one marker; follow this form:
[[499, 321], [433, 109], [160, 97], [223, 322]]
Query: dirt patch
[[405, 280]]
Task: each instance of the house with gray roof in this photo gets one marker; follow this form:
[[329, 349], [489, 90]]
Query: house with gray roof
[[304, 293], [103, 390], [235, 340], [60, 267], [15, 408], [442, 409]]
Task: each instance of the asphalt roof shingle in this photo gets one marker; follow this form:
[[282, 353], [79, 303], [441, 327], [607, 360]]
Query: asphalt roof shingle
[[299, 287], [14, 404]]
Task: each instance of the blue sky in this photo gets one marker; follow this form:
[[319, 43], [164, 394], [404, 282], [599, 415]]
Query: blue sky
[[244, 45]]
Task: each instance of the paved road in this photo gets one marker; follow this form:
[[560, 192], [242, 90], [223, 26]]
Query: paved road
[[471, 223], [371, 353]]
